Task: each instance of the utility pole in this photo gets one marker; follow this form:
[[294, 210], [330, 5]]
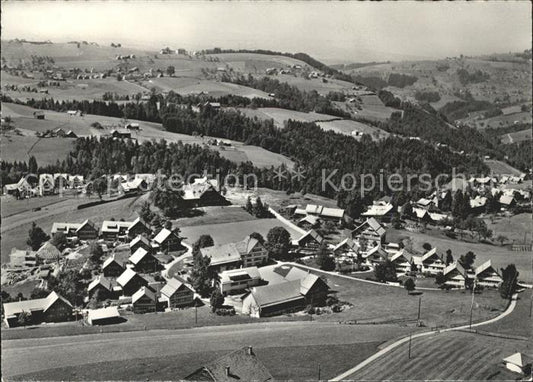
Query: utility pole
[[319, 372], [195, 313], [472, 304], [410, 337], [418, 316]]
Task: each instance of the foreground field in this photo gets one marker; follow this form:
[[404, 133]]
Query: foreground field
[[98, 356], [500, 256], [448, 356], [516, 228]]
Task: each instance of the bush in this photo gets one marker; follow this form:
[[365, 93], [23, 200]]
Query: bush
[[229, 311]]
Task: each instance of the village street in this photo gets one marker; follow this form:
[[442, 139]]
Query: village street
[[31, 355]]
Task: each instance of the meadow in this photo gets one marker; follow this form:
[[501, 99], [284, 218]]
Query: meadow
[[501, 168], [517, 136]]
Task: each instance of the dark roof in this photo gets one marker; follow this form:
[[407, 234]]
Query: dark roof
[[240, 365]]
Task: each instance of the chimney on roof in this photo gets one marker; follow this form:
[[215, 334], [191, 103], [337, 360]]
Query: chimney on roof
[[227, 371], [250, 351]]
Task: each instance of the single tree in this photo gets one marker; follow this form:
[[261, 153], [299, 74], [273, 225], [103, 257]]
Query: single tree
[[440, 278], [278, 243], [323, 258], [249, 206], [200, 275], [145, 213], [36, 237], [385, 271], [216, 300], [409, 285], [510, 281], [467, 260], [502, 239], [96, 252], [171, 70], [203, 241], [24, 318], [59, 240], [427, 246], [258, 237], [449, 257]]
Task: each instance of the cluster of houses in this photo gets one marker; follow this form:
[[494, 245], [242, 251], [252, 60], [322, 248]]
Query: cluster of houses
[[43, 184]]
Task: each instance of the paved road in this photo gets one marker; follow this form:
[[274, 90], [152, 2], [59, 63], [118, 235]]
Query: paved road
[[31, 355]]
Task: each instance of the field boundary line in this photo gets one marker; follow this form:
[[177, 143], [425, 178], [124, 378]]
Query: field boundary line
[[394, 345], [286, 221]]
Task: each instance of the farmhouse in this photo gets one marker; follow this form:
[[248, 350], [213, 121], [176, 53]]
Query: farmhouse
[[240, 365], [144, 301], [140, 242], [507, 201], [337, 215], [308, 222], [203, 192], [289, 296], [134, 186], [379, 210], [19, 189], [130, 282], [248, 252], [477, 204], [456, 276], [238, 280], [73, 231], [138, 227], [371, 231], [375, 255], [176, 294], [167, 240], [519, 363], [252, 252], [52, 308], [347, 246], [112, 267], [103, 316], [430, 262], [421, 215], [102, 286], [143, 261], [487, 276], [401, 263], [38, 114], [115, 230], [132, 126], [121, 134], [310, 241]]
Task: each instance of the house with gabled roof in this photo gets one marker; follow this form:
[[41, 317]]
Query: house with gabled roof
[[430, 262], [143, 261], [176, 293], [379, 210], [48, 253], [52, 308], [371, 231], [115, 230], [401, 262], [138, 227], [375, 255], [240, 365], [167, 240], [140, 242], [455, 275], [103, 286], [203, 192], [518, 363], [326, 213], [113, 267], [130, 281], [80, 231], [308, 222], [347, 247], [144, 301], [310, 241], [223, 257], [487, 276], [252, 252]]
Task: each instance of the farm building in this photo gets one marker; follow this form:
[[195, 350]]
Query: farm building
[[115, 230], [144, 301], [430, 262], [132, 126], [401, 263], [52, 308], [375, 255], [102, 286], [140, 242], [308, 222], [203, 192], [456, 276], [167, 240], [240, 365], [337, 215], [310, 241], [519, 363], [22, 258], [104, 316], [371, 231], [134, 186], [380, 210], [143, 261], [38, 114], [246, 253], [138, 227], [73, 231], [487, 276], [121, 134], [176, 294], [238, 280], [130, 282], [112, 267], [48, 253], [347, 247]]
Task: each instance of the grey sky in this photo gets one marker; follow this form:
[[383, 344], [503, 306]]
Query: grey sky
[[352, 31]]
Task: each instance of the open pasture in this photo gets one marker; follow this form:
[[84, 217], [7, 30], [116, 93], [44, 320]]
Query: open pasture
[[447, 356], [374, 109], [501, 168], [517, 136], [347, 127]]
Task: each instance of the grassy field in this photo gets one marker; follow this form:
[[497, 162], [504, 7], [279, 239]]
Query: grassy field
[[518, 323], [216, 215], [295, 363], [15, 147], [281, 115], [374, 109], [382, 304], [500, 256], [515, 228], [347, 127], [518, 136], [12, 206], [498, 167], [504, 120], [224, 233]]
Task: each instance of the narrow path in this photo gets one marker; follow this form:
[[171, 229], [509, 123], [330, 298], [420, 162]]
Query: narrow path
[[286, 221], [346, 374]]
